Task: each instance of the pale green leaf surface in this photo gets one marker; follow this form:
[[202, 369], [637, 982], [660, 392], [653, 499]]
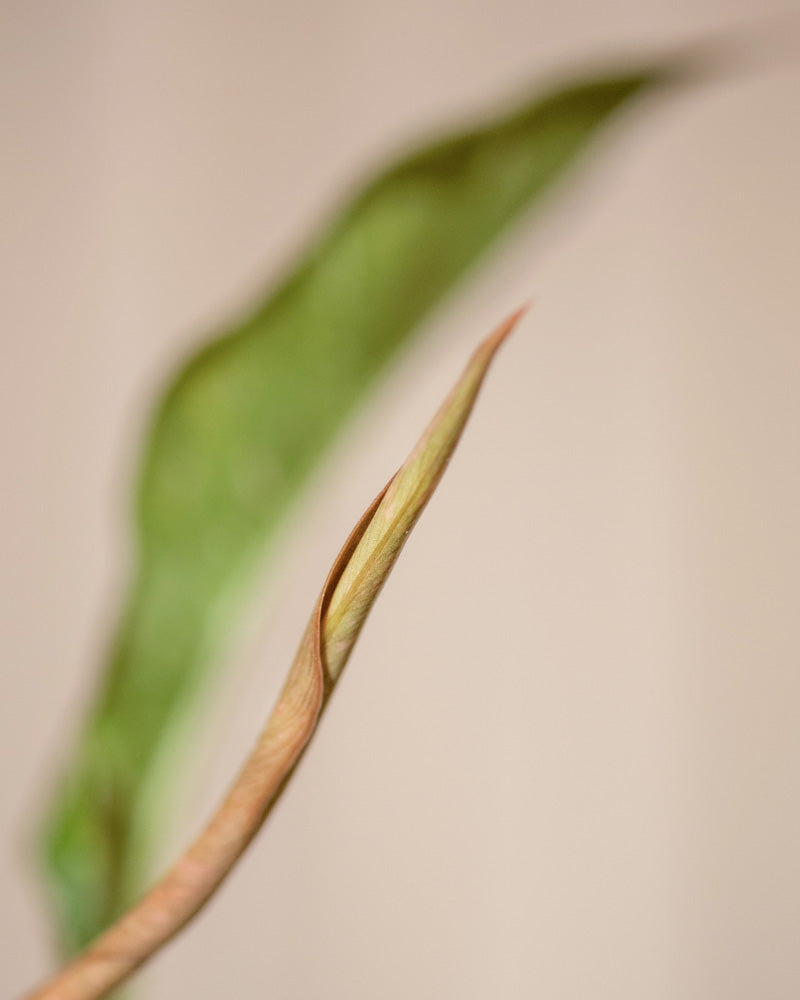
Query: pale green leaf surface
[[238, 432]]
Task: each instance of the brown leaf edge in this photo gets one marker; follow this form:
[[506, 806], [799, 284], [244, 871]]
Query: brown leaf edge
[[352, 585]]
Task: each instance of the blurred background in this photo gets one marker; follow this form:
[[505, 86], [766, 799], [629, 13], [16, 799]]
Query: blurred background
[[564, 760]]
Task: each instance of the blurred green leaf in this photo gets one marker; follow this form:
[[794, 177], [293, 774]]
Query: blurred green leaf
[[237, 434]]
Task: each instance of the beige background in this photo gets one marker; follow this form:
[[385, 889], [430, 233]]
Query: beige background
[[565, 760]]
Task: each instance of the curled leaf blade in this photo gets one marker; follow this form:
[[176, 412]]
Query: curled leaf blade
[[353, 584]]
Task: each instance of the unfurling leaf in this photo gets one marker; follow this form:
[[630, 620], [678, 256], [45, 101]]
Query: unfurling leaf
[[353, 584], [236, 436]]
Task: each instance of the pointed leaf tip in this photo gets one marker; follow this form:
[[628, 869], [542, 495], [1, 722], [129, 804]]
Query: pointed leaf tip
[[401, 503]]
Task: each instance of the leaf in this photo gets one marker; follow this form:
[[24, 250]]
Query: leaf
[[236, 436], [352, 586]]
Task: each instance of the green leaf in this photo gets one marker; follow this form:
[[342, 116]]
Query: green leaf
[[237, 434]]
